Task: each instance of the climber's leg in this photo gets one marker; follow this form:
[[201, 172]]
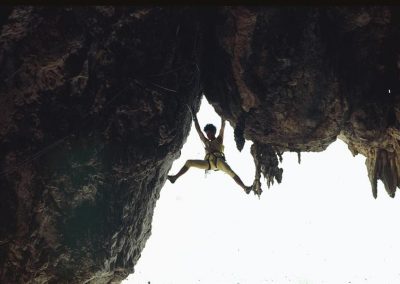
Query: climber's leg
[[201, 164], [223, 166], [237, 179]]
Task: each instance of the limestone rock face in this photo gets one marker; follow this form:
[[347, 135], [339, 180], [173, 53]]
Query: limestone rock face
[[295, 79], [92, 115], [93, 111]]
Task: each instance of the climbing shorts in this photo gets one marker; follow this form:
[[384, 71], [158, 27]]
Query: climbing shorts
[[211, 164]]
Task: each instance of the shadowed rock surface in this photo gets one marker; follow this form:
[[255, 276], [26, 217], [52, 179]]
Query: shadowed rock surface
[[295, 79], [91, 119], [93, 114]]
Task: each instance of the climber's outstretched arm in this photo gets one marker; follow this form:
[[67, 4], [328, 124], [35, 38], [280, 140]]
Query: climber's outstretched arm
[[222, 129], [196, 124]]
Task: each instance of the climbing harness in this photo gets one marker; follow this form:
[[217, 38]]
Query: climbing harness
[[213, 158]]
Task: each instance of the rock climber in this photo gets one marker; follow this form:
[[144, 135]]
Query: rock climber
[[215, 158]]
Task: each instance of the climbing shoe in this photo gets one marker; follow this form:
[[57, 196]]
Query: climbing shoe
[[172, 179], [248, 189]]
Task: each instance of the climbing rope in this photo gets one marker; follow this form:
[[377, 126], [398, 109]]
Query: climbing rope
[[141, 83]]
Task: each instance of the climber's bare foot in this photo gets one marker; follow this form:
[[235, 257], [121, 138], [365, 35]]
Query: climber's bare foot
[[172, 179]]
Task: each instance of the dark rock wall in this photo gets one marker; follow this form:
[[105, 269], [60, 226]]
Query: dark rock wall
[[295, 78], [92, 115]]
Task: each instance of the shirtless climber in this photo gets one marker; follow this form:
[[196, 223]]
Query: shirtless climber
[[214, 159]]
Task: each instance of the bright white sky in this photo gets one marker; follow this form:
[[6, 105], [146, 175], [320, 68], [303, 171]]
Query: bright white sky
[[320, 225]]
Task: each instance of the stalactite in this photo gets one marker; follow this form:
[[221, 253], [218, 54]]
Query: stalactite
[[299, 157], [383, 165], [371, 163], [266, 162], [239, 131]]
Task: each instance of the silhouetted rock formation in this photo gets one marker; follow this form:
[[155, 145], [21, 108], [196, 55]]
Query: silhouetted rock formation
[[93, 113], [297, 78]]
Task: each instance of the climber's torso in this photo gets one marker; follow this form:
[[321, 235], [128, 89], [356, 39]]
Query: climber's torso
[[214, 151]]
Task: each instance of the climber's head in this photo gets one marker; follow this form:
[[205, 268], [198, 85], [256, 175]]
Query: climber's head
[[210, 130]]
